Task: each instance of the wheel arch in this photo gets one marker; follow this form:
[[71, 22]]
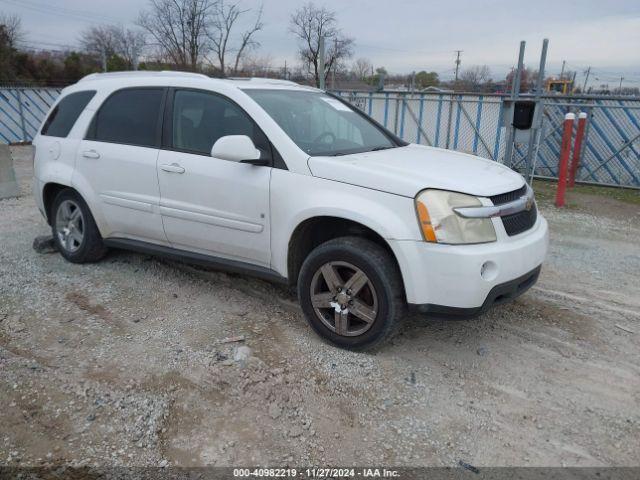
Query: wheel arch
[[316, 230], [49, 193]]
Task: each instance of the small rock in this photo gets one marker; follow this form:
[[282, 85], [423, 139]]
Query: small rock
[[274, 411], [44, 244], [242, 354], [483, 351], [91, 417]]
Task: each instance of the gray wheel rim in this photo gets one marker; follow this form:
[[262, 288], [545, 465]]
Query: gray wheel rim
[[344, 299], [70, 225]]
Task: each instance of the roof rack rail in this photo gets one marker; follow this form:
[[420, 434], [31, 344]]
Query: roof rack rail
[[273, 81], [143, 73]]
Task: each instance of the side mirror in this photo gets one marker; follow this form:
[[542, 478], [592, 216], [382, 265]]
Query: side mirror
[[237, 148]]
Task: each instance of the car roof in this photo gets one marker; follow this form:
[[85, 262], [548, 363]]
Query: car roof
[[183, 79]]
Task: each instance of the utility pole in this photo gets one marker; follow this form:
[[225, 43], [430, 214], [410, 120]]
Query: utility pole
[[620, 87], [285, 70], [321, 63], [458, 61], [586, 79], [564, 62], [455, 85]]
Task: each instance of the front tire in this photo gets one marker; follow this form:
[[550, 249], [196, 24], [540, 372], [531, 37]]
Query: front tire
[[74, 230], [350, 290]]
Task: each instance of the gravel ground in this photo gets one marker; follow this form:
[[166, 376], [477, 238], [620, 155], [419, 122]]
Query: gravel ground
[[125, 362]]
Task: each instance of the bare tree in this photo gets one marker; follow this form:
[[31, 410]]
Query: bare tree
[[362, 68], [309, 23], [247, 42], [11, 29], [99, 40], [257, 65], [111, 40], [179, 28], [225, 19], [130, 44], [473, 77]]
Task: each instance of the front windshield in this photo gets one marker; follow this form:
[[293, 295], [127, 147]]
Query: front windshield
[[320, 124]]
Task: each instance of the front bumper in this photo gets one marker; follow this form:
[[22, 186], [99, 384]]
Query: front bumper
[[463, 278], [499, 294]]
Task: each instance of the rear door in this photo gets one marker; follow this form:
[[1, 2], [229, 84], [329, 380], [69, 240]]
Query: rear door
[[210, 205], [117, 160]]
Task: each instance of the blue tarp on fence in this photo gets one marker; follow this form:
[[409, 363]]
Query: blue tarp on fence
[[466, 122]]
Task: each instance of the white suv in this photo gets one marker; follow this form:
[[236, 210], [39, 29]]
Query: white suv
[[290, 184]]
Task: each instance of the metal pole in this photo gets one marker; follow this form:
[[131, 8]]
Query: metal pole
[[104, 60], [515, 92], [539, 104], [455, 85], [21, 111], [577, 148], [333, 67], [449, 121], [321, 63]]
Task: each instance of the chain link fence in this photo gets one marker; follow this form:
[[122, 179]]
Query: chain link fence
[[473, 124], [469, 123]]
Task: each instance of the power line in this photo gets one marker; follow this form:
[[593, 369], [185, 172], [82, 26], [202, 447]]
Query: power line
[[62, 12]]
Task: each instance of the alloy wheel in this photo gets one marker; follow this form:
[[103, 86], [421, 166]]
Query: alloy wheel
[[344, 298], [69, 225]]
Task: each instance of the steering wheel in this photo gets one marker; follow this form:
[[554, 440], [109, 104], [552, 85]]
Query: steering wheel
[[324, 135]]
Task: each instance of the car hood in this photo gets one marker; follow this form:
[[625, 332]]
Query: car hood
[[407, 170]]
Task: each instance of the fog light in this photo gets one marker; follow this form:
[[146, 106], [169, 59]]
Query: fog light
[[489, 271]]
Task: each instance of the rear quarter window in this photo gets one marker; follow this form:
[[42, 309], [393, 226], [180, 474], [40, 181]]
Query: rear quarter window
[[130, 116], [65, 113]]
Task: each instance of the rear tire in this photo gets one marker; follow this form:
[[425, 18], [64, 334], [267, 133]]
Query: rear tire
[[74, 230], [351, 293]]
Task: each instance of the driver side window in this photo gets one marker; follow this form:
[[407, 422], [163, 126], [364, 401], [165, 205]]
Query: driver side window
[[201, 118]]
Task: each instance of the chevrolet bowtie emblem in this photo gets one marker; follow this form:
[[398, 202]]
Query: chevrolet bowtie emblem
[[529, 204]]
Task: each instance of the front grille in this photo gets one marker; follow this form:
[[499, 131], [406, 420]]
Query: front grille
[[509, 196], [517, 222], [520, 222]]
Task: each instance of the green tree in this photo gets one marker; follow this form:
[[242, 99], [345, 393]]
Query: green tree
[[427, 79], [115, 63]]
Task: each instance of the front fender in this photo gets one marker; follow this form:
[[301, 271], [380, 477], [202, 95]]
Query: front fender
[[296, 198]]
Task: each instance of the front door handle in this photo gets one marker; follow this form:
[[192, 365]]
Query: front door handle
[[173, 168], [90, 154]]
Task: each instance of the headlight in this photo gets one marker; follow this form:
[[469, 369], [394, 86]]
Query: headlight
[[440, 224]]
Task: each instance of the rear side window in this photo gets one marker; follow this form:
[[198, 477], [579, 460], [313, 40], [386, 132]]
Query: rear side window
[[65, 113], [130, 117]]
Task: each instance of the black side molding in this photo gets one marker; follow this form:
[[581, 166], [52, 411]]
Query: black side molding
[[501, 293], [216, 263]]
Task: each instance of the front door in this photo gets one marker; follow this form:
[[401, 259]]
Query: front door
[[117, 160], [209, 205]]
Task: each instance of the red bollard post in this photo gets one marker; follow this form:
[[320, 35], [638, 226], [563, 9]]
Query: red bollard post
[[564, 158], [577, 147]]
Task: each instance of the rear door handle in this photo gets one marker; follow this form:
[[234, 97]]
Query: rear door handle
[[90, 154], [173, 168]]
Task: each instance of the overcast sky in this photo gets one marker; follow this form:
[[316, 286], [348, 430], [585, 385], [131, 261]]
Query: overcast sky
[[406, 35]]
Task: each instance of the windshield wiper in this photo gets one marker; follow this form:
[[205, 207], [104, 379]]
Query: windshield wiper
[[382, 147]]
